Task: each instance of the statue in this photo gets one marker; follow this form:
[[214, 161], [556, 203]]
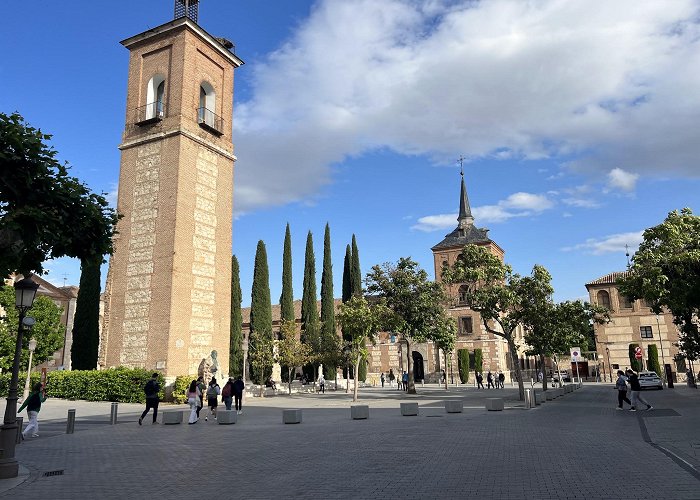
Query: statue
[[320, 371], [208, 367]]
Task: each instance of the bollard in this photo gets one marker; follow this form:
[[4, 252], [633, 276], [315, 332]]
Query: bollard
[[113, 414], [20, 421], [528, 398], [70, 424]]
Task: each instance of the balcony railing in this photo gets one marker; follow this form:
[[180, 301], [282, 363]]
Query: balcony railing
[[210, 121], [150, 113]]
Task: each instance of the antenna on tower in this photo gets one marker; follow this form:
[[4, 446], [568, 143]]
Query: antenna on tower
[[187, 8], [627, 254]]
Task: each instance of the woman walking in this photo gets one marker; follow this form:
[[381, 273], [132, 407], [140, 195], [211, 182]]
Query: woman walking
[[33, 405], [213, 392], [621, 386], [193, 399]]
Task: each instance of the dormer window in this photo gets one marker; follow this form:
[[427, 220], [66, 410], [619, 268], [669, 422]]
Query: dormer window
[[154, 109], [206, 115]]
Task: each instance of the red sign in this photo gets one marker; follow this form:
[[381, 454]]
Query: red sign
[[638, 352]]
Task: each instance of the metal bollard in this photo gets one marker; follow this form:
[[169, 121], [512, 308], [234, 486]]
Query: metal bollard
[[20, 421], [528, 398], [70, 425], [113, 414]]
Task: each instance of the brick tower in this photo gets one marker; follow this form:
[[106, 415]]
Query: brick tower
[[167, 300]]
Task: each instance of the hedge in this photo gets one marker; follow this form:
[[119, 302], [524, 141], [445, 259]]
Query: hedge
[[115, 384], [463, 365], [181, 387]]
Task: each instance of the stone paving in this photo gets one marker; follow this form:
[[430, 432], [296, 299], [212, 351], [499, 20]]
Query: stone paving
[[577, 446]]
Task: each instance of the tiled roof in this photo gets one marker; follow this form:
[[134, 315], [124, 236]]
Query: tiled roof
[[609, 279], [460, 237]]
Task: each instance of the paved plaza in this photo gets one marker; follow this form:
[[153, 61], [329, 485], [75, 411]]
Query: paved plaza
[[577, 446]]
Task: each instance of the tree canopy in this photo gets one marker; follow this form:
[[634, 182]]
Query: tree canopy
[[44, 212], [665, 272]]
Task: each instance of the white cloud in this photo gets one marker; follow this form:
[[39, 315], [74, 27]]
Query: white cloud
[[614, 243], [619, 179], [576, 79], [516, 205]]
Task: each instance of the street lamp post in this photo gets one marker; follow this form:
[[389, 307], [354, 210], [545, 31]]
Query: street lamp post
[[32, 346], [607, 353], [661, 345], [25, 291]]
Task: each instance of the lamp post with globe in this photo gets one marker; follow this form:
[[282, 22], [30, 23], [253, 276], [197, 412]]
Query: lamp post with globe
[[25, 291]]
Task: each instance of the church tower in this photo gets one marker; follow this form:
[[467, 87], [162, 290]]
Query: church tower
[[167, 300]]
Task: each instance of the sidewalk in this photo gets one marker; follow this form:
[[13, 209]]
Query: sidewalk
[[578, 446]]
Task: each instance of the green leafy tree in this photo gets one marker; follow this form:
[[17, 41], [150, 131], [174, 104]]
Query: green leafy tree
[[310, 327], [47, 330], [443, 331], [328, 332], [478, 360], [362, 321], [415, 301], [494, 291], [260, 306], [236, 337], [653, 359], [636, 364], [287, 296], [666, 273], [291, 352], [463, 365], [86, 323], [45, 213], [262, 357], [355, 270]]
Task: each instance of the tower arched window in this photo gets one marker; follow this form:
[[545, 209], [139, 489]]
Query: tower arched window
[[155, 98], [603, 299], [207, 107], [462, 295]]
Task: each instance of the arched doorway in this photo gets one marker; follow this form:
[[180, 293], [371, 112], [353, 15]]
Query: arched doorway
[[418, 373]]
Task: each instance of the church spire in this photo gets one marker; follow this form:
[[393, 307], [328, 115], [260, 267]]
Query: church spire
[[465, 212]]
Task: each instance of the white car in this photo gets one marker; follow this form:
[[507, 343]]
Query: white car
[[650, 380]]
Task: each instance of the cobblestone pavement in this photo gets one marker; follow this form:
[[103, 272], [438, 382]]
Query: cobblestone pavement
[[577, 446]]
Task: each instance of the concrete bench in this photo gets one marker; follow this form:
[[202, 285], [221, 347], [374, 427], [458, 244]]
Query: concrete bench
[[452, 406], [549, 395], [539, 398], [172, 417], [291, 416], [359, 412], [409, 409], [225, 417], [494, 404]]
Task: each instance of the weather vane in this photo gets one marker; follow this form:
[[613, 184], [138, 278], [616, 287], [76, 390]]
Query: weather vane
[[461, 165], [627, 254]]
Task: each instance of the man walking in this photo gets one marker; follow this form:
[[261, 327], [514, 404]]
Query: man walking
[[489, 380], [635, 389], [321, 384], [479, 380], [501, 379], [152, 388], [238, 388]]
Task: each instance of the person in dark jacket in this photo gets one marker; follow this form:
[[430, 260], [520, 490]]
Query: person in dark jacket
[[227, 393], [635, 389], [621, 386], [33, 405], [238, 388], [152, 388]]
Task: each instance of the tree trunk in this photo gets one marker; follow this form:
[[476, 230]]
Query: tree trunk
[[262, 383], [516, 365], [544, 373], [411, 382], [289, 379], [357, 367], [347, 378], [445, 370]]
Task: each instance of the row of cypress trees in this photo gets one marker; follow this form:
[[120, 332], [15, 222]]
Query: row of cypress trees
[[318, 332]]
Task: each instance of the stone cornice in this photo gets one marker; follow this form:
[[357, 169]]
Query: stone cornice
[[170, 133]]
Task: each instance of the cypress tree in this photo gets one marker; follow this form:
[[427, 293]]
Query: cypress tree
[[347, 285], [463, 365], [478, 360], [235, 359], [287, 297], [309, 308], [86, 334], [328, 333], [260, 305], [653, 361], [355, 271], [636, 364]]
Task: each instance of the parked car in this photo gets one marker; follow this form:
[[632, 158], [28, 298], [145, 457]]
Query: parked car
[[650, 380], [565, 377]]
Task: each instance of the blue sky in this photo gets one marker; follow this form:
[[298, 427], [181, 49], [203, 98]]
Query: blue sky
[[578, 120]]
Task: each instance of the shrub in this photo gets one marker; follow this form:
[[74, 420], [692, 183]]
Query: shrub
[[653, 361], [478, 360], [463, 365], [181, 386], [362, 371]]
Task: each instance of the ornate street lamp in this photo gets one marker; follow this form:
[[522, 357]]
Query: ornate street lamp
[[25, 291], [32, 346]]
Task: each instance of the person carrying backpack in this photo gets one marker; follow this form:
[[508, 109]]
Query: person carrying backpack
[[227, 393], [152, 388], [213, 392], [238, 388]]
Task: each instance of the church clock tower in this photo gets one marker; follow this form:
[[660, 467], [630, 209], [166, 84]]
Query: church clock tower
[[167, 300]]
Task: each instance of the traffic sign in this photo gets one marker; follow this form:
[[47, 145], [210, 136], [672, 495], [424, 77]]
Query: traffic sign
[[638, 352], [575, 354]]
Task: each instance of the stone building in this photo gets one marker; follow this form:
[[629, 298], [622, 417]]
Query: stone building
[[167, 299], [632, 323]]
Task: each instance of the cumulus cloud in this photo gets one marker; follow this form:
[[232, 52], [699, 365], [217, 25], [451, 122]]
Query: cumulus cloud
[[580, 80], [516, 205], [619, 179], [615, 243]]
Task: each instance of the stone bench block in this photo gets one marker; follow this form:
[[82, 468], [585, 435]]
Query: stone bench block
[[172, 417], [359, 412], [291, 416], [454, 406], [225, 417], [549, 395], [409, 409], [539, 398], [494, 404]]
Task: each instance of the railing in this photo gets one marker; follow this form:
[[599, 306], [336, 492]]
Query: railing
[[210, 121], [150, 113]]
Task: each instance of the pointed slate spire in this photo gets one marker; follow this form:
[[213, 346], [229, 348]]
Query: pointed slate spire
[[465, 212]]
